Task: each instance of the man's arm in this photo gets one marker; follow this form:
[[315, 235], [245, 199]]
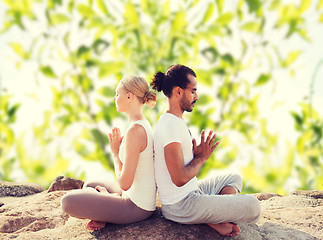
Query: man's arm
[[181, 174]]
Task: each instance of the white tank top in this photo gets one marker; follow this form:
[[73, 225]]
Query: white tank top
[[143, 189]]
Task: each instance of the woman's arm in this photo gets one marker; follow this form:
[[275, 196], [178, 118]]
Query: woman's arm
[[135, 143]]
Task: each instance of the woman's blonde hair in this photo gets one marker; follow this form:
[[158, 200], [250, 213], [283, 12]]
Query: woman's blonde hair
[[139, 87]]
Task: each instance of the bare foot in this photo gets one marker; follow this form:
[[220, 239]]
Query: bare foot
[[101, 189], [235, 229], [226, 229], [95, 225]]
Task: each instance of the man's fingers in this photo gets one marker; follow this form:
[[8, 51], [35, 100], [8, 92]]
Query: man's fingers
[[202, 136], [212, 139], [209, 136], [215, 145], [194, 143]]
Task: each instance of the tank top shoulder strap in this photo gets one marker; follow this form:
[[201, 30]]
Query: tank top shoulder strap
[[142, 123]]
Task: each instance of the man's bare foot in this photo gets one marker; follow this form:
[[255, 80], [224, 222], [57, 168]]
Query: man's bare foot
[[226, 229], [95, 225]]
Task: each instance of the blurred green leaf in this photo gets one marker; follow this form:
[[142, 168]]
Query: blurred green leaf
[[209, 12], [100, 45], [47, 71], [19, 50], [321, 18], [107, 92], [179, 24], [252, 27], [320, 5], [204, 99], [131, 14], [210, 53], [292, 56], [274, 4], [102, 7], [85, 11], [109, 68], [263, 79], [298, 121], [225, 18], [305, 4], [228, 58], [220, 5], [58, 18], [253, 5], [12, 112]]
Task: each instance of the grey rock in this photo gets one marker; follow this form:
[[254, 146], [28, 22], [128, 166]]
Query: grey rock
[[309, 193], [11, 189], [266, 196]]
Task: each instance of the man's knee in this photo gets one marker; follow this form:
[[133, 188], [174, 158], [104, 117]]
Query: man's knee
[[254, 208], [236, 182]]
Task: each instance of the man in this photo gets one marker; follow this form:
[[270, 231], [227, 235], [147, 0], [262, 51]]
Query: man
[[178, 159]]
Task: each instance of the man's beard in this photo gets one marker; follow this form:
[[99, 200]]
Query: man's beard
[[186, 105]]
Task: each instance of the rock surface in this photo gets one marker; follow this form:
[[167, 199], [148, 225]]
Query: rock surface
[[266, 196], [19, 189], [65, 183], [39, 216]]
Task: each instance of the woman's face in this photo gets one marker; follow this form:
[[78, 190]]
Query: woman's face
[[121, 98]]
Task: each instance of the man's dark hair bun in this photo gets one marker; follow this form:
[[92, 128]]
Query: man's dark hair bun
[[158, 81]]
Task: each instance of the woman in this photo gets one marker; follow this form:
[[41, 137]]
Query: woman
[[133, 197]]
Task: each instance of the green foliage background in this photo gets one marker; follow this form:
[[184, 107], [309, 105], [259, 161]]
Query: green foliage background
[[83, 48]]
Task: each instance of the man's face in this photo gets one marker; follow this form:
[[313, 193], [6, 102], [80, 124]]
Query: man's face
[[190, 96]]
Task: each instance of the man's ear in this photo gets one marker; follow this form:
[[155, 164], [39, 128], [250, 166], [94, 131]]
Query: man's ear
[[178, 91]]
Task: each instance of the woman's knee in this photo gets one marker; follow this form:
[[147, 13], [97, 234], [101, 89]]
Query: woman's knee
[[89, 184], [67, 202]]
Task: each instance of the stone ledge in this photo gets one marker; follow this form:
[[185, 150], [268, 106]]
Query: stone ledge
[[297, 215]]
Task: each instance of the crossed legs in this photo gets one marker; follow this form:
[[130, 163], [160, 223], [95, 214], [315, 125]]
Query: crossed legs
[[226, 229], [101, 203]]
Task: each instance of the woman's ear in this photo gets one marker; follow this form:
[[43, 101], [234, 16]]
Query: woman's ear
[[130, 96]]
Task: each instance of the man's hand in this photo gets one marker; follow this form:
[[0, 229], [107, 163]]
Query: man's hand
[[206, 147]]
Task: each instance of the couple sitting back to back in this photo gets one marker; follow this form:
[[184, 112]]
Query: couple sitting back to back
[[173, 168]]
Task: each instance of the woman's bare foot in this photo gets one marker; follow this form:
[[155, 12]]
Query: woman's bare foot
[[101, 189], [226, 229], [95, 225]]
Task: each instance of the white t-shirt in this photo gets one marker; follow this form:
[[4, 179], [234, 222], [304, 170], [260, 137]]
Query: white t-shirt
[[143, 189], [171, 129]]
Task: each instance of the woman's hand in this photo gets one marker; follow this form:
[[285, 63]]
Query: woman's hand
[[115, 140]]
